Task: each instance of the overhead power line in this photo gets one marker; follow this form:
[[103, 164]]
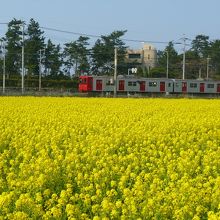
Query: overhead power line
[[70, 32], [99, 36]]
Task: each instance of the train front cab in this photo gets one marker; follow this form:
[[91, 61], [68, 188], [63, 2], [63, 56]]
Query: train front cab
[[85, 84]]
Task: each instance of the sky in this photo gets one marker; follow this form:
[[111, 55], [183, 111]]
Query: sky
[[152, 21]]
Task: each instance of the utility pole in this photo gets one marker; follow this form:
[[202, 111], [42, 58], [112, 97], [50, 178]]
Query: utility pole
[[3, 79], [22, 68], [207, 73], [184, 56], [167, 64], [40, 67], [40, 71], [3, 86], [3, 50], [115, 73], [200, 72]]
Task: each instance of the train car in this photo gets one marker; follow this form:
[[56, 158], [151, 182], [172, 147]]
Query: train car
[[160, 85], [125, 84], [143, 85], [196, 86], [132, 84]]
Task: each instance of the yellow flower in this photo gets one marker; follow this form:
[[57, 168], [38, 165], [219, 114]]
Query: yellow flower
[[95, 158]]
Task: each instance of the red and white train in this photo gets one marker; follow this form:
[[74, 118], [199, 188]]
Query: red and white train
[[134, 85]]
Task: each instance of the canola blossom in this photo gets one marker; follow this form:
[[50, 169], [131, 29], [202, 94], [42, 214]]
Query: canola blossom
[[99, 158]]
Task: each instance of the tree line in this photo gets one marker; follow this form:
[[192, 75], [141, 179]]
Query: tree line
[[79, 57], [203, 55], [57, 62]]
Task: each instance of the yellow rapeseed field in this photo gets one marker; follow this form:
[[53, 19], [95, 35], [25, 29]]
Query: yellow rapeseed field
[[99, 158]]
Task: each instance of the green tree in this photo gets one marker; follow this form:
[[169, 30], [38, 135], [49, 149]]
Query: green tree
[[194, 65], [103, 53], [173, 62], [196, 57], [1, 54], [33, 44], [215, 56], [140, 71], [158, 72], [53, 60], [201, 45], [172, 55], [13, 47], [76, 56]]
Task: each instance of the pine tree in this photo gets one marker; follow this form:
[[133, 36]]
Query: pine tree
[[76, 55], [53, 60], [33, 44], [103, 52], [13, 47]]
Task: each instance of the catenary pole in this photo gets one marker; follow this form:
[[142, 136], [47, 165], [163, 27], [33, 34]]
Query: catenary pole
[[42, 56], [40, 70], [3, 48], [115, 73], [3, 84], [167, 64], [22, 68], [184, 56], [207, 71]]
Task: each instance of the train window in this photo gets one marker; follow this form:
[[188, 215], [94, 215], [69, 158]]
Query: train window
[[152, 84], [83, 81], [210, 86], [110, 82], [193, 85], [169, 84], [131, 83]]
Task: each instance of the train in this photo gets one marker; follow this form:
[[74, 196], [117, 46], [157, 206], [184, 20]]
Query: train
[[130, 84]]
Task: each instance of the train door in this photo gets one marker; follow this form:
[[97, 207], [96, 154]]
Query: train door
[[184, 87], [202, 87], [142, 86], [162, 86], [121, 85], [98, 84], [89, 84], [218, 87]]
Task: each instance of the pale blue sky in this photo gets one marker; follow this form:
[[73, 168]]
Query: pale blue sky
[[147, 20]]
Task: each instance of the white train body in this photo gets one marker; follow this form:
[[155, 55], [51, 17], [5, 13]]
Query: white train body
[[133, 84]]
